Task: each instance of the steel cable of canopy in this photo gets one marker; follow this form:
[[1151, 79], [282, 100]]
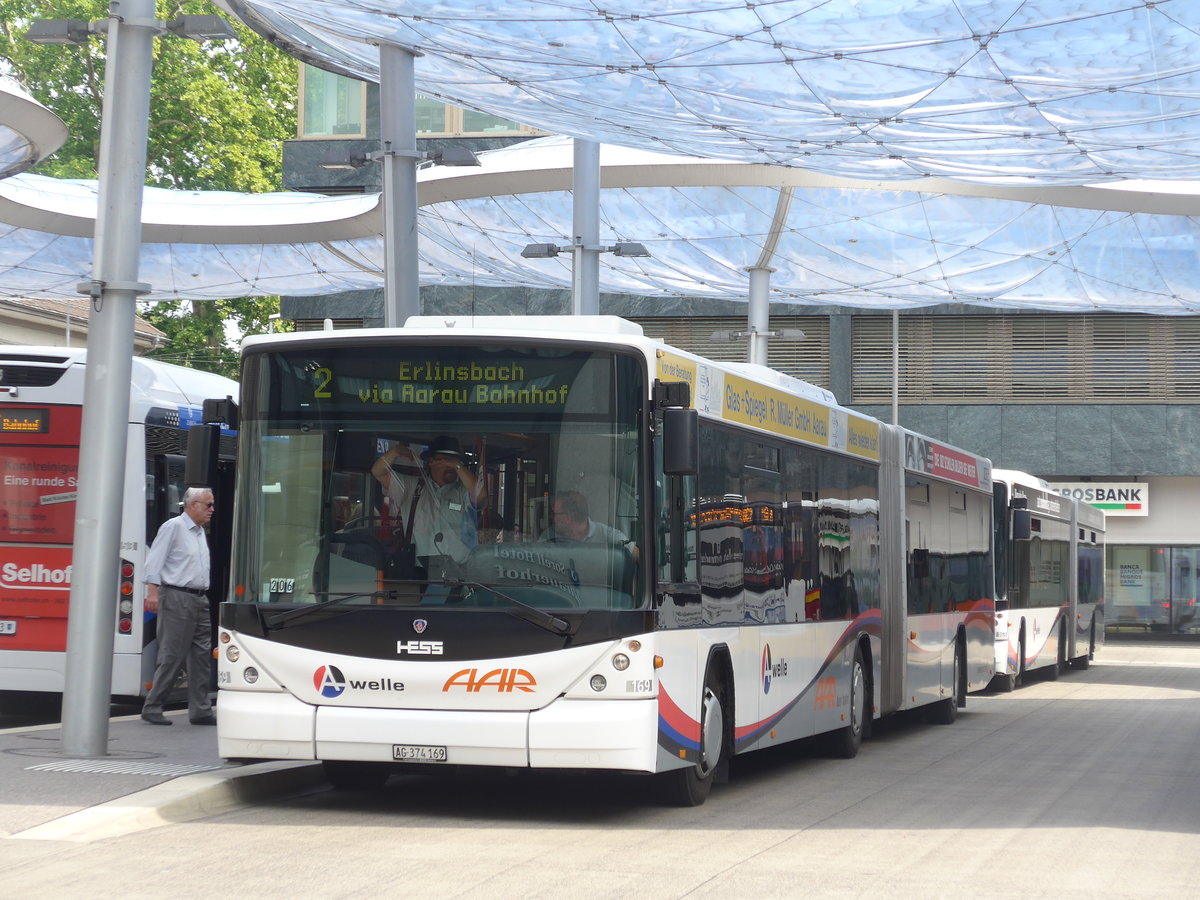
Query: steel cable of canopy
[[1029, 92]]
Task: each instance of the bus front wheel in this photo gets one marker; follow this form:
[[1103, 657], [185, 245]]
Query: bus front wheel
[[690, 785]]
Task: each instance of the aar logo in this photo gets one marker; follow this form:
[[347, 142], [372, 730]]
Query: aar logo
[[329, 681]]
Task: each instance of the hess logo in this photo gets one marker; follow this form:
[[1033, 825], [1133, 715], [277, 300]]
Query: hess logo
[[329, 681], [504, 681]]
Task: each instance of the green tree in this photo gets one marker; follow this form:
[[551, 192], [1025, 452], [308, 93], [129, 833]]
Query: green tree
[[219, 113]]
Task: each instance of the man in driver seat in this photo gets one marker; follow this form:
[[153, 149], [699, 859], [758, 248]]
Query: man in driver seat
[[570, 521]]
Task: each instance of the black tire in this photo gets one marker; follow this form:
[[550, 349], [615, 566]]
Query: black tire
[[846, 741], [1085, 661], [690, 785], [1005, 683], [1019, 677], [343, 775], [944, 712]]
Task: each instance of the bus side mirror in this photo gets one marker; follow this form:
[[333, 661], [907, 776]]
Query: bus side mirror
[[1022, 525], [200, 468], [681, 442]]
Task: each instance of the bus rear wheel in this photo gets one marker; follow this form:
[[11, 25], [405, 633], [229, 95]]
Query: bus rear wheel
[[944, 712], [846, 741], [344, 775], [1083, 662], [690, 785]]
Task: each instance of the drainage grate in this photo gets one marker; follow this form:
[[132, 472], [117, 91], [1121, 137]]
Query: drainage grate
[[120, 767]]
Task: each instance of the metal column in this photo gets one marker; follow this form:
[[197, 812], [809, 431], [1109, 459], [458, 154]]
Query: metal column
[[114, 290], [585, 269], [398, 134], [758, 315]]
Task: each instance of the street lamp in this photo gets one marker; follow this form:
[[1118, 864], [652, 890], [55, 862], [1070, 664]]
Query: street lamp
[[546, 251], [339, 160], [59, 32]]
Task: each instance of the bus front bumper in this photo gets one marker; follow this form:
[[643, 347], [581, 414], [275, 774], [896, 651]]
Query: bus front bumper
[[567, 734]]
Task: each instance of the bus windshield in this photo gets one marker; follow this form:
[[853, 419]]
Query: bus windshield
[[380, 474]]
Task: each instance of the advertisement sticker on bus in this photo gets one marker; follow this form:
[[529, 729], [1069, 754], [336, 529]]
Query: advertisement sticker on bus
[[932, 458], [37, 499], [749, 403], [677, 368], [35, 581]]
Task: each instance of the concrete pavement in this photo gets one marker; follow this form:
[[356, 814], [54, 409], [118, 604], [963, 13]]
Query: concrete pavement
[[157, 776], [153, 775]]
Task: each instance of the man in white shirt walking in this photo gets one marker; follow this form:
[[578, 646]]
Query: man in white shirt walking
[[176, 578]]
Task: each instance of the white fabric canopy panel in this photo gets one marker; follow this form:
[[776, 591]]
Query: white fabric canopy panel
[[28, 131], [990, 91], [869, 244]]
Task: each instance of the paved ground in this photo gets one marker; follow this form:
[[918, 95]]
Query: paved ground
[[1080, 788], [42, 786]]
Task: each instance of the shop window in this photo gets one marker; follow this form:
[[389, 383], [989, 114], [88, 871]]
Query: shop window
[[437, 119]]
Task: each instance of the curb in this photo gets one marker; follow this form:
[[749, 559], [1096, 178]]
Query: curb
[[180, 800]]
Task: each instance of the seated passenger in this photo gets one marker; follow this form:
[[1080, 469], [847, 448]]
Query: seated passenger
[[570, 522]]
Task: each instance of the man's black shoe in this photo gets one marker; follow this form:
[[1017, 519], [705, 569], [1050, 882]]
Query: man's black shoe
[[156, 719], [207, 720]]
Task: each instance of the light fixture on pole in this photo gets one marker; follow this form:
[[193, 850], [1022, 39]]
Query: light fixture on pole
[[728, 337], [621, 248], [345, 162], [59, 32], [340, 160]]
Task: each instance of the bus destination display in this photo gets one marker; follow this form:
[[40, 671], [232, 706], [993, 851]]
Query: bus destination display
[[436, 378], [27, 420]]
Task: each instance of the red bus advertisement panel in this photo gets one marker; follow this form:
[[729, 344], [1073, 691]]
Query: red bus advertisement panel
[[39, 472]]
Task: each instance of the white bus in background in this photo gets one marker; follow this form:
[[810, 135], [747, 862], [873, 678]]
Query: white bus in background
[[1087, 633], [41, 407], [796, 569], [1049, 553]]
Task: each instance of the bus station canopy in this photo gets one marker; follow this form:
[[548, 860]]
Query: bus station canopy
[[874, 153], [1030, 91], [885, 245], [28, 131]]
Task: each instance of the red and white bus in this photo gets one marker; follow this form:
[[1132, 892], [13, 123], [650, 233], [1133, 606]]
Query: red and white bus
[[41, 405], [1049, 579], [791, 569]]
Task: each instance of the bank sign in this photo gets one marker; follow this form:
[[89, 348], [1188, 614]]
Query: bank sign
[[1115, 498]]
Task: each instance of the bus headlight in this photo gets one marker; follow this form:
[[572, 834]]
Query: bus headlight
[[620, 662], [599, 683], [232, 653], [250, 674]]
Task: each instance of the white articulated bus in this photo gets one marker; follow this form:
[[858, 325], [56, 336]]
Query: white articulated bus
[[41, 407], [774, 566], [1049, 579]]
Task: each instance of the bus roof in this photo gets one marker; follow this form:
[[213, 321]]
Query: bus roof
[[152, 382]]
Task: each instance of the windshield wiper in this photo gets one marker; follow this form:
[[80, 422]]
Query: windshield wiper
[[279, 619], [520, 609]]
